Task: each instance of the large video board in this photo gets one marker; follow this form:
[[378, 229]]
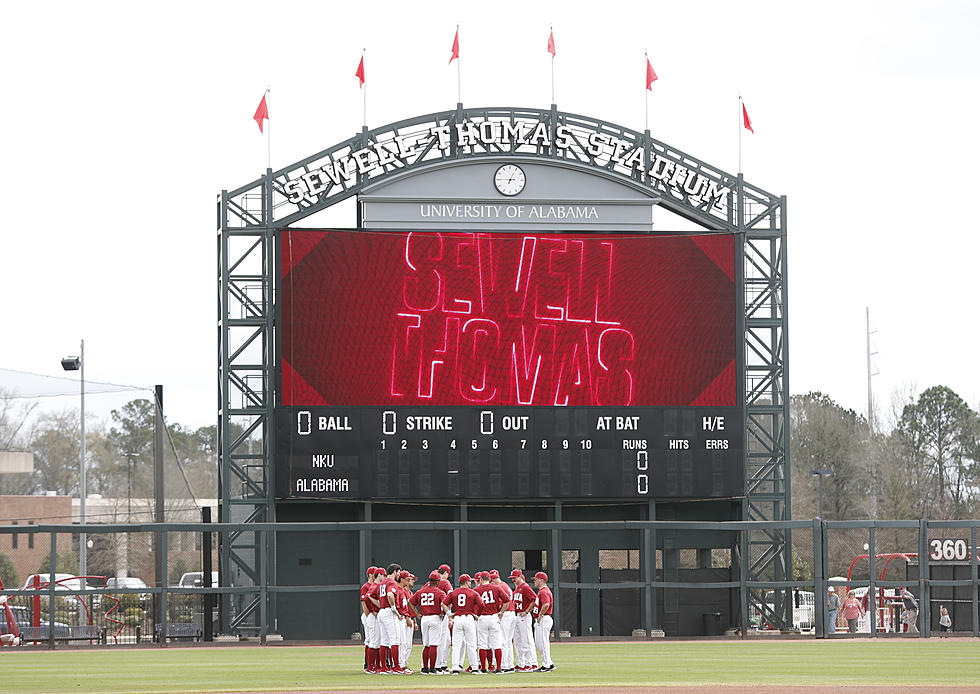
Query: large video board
[[507, 365]]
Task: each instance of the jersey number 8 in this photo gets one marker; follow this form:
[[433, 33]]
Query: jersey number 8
[[461, 600]]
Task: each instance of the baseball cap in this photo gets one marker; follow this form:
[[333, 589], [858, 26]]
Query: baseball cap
[[830, 589], [494, 574], [371, 570], [542, 575], [517, 573], [376, 571], [445, 567], [480, 575], [463, 578], [403, 575], [434, 576]]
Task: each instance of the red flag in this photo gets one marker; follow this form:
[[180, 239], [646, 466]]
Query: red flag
[[455, 54], [746, 121], [551, 44], [261, 113], [360, 71], [651, 75]]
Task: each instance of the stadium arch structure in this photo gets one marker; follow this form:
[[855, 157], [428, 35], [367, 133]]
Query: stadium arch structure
[[251, 216]]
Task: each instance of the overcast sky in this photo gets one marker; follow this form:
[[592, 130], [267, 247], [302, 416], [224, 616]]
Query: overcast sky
[[122, 121]]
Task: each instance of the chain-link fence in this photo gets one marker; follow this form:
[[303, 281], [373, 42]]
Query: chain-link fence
[[617, 578]]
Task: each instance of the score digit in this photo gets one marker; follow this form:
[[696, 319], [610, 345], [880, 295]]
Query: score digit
[[642, 481]]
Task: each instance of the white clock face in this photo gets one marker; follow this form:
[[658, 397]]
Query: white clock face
[[509, 179]]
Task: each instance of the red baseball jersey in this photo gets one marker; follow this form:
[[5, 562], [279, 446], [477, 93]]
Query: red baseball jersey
[[523, 597], [509, 593], [493, 598], [373, 592], [365, 591], [388, 586], [445, 586], [403, 596], [429, 600], [544, 598], [464, 601]]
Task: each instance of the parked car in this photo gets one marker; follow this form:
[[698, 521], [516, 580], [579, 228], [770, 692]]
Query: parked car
[[22, 616], [62, 582], [195, 579], [124, 582]]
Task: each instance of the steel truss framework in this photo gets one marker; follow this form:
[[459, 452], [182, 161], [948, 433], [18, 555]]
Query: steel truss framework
[[250, 216]]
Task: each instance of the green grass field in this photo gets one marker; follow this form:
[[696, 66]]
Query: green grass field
[[253, 668]]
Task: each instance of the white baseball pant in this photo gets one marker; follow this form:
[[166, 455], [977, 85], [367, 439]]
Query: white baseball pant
[[388, 624], [524, 641], [371, 634], [464, 641], [442, 650], [405, 647], [431, 630], [508, 622], [488, 634], [542, 639]]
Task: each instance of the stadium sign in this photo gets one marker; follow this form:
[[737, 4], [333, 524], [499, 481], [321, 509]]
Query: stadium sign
[[629, 155]]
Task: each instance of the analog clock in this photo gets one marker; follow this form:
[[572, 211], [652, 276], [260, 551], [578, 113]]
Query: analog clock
[[509, 179]]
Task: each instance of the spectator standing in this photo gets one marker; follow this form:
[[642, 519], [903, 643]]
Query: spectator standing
[[852, 611], [833, 604], [910, 614], [944, 621]]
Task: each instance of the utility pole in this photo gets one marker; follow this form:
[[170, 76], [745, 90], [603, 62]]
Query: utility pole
[[820, 475], [871, 426]]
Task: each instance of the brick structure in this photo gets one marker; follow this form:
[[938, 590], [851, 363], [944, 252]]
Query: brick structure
[[28, 550]]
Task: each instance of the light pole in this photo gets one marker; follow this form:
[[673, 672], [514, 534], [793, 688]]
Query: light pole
[[78, 364], [820, 475]]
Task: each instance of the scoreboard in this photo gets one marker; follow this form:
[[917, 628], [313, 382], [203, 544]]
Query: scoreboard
[[440, 365], [406, 453]]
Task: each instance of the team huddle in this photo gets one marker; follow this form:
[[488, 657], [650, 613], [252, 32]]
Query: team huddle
[[488, 619]]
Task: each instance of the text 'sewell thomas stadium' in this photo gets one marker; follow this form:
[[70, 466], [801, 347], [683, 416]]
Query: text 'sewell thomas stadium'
[[506, 364], [536, 393]]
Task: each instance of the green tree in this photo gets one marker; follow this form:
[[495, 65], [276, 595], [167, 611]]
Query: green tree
[[825, 435], [937, 437], [8, 572], [66, 563], [178, 567], [131, 432], [54, 441]]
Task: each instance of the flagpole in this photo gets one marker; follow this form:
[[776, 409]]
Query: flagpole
[[268, 137], [646, 97], [740, 132], [551, 29], [364, 89], [459, 88]]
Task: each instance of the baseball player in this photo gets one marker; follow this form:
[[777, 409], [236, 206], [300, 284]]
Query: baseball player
[[427, 603], [442, 653], [366, 614], [507, 623], [489, 637], [373, 635], [388, 620], [523, 600], [406, 626], [543, 608], [465, 603]]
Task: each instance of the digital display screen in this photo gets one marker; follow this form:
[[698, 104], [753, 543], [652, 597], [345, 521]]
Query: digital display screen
[[424, 364]]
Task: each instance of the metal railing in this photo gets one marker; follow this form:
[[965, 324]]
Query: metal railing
[[820, 546]]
